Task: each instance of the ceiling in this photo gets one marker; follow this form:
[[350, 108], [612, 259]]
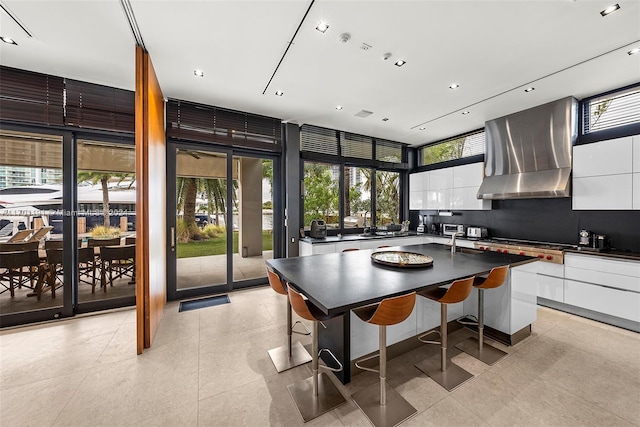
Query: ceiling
[[492, 49]]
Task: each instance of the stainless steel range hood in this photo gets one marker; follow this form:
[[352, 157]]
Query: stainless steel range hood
[[528, 154]]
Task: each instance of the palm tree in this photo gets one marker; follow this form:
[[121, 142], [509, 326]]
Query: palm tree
[[103, 178]]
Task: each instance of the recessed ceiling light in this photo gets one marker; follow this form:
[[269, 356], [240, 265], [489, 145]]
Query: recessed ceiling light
[[322, 26], [530, 89], [610, 9], [279, 93], [634, 51], [8, 40], [338, 107], [454, 86], [198, 73], [422, 128], [465, 112], [400, 62], [386, 119]]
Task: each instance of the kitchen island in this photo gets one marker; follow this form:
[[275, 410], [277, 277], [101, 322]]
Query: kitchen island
[[339, 282]]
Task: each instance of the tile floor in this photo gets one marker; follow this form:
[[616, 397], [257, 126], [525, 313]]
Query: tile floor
[[210, 367]]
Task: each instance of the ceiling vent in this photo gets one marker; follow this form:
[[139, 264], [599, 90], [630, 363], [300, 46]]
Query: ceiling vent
[[364, 113]]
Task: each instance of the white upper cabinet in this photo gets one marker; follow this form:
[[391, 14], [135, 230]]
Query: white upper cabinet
[[606, 175], [449, 188], [416, 181], [441, 179], [612, 157], [636, 154], [468, 175]]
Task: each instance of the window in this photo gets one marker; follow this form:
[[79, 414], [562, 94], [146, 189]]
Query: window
[[387, 198], [458, 147], [614, 110], [357, 197], [321, 189]]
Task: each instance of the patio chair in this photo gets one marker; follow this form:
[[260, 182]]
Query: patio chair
[[39, 234], [21, 265], [117, 262], [87, 266], [20, 236]]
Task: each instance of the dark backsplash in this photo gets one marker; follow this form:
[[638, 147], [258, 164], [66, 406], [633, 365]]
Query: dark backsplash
[[547, 220]]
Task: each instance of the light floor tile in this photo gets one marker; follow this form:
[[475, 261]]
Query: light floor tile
[[210, 367]]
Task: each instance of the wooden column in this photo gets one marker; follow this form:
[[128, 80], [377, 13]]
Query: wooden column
[[151, 265]]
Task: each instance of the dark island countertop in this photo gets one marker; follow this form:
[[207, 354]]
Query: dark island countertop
[[338, 282]]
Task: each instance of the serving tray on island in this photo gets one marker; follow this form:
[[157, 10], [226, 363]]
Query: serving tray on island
[[402, 259]]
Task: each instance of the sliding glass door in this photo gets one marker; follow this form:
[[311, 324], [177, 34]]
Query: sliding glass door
[[222, 227]]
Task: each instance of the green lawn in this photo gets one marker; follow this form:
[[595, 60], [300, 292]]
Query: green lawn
[[218, 246]]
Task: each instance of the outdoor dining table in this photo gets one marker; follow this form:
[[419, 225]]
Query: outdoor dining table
[[339, 282]]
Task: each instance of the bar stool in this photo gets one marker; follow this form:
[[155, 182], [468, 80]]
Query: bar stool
[[383, 405], [350, 249], [315, 395], [447, 375], [475, 346], [290, 355]]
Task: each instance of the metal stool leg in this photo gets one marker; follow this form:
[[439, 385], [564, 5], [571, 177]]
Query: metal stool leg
[[475, 347], [381, 404], [292, 354], [448, 375], [318, 394]]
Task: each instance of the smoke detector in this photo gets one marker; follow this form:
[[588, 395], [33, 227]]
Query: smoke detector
[[386, 56], [344, 37]]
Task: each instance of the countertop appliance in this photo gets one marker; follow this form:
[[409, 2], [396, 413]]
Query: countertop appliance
[[544, 251], [318, 229], [600, 242], [585, 238], [477, 233], [420, 228], [451, 229]]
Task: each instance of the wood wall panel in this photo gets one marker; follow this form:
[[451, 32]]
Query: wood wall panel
[[150, 198]]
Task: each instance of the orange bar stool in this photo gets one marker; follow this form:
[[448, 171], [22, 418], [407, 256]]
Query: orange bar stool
[[385, 407], [475, 346], [448, 375], [350, 249], [316, 395], [290, 355]]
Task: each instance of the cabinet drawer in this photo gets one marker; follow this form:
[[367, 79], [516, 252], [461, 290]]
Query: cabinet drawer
[[602, 278], [596, 263], [613, 302], [551, 288]]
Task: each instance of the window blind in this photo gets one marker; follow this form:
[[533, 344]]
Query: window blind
[[314, 139], [388, 151], [466, 145], [99, 107], [31, 97], [611, 111], [195, 122], [356, 146]]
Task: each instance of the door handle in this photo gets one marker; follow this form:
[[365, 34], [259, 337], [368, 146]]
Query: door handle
[[173, 239]]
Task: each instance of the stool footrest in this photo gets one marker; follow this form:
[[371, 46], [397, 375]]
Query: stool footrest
[[468, 320], [364, 359], [435, 331], [307, 330], [333, 356]]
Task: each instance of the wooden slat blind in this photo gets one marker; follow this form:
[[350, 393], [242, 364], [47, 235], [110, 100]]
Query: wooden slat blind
[[194, 122], [99, 107], [31, 97]]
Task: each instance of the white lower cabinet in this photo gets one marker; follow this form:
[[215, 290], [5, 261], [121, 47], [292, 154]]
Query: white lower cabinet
[[365, 336], [510, 307], [604, 285], [614, 302]]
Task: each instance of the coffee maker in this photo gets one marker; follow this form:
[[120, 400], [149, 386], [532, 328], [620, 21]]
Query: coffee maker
[[585, 238]]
